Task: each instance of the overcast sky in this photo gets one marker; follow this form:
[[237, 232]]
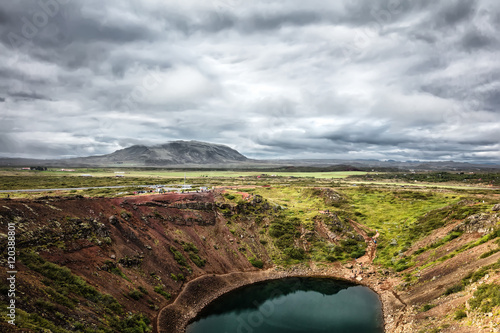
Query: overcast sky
[[397, 79]]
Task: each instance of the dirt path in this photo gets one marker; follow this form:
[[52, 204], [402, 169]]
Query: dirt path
[[371, 249]]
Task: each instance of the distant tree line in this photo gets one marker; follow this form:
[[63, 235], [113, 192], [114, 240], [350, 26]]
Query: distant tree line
[[38, 168], [492, 178]]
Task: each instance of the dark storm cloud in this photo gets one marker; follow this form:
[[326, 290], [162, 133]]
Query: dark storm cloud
[[455, 12], [381, 79], [266, 21], [426, 37], [28, 96], [4, 17], [474, 40]]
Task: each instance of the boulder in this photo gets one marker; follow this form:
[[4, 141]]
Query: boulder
[[481, 223], [496, 208]]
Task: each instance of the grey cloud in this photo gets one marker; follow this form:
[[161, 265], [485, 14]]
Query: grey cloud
[[369, 136], [474, 40], [4, 17], [427, 65], [493, 101], [425, 36], [28, 96], [274, 21], [456, 11], [269, 79], [219, 21]]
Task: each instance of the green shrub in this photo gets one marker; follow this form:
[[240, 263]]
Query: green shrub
[[229, 196], [401, 265], [59, 298], [178, 277], [135, 294], [159, 290], [421, 250], [34, 321], [454, 289], [426, 307], [460, 314], [197, 260], [489, 253], [472, 277], [190, 247], [486, 297], [117, 271], [296, 253], [178, 257], [256, 262], [135, 323], [63, 281], [331, 258], [46, 305]]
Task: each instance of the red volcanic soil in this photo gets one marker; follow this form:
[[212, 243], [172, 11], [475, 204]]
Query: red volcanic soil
[[134, 234]]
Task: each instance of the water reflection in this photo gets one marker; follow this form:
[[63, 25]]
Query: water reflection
[[298, 305]]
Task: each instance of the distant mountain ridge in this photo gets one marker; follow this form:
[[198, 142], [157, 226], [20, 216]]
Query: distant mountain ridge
[[197, 154], [171, 153]]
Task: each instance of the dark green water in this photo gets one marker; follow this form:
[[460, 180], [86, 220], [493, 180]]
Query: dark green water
[[293, 305]]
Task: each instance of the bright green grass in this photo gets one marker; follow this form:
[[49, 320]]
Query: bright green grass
[[392, 213], [12, 179], [225, 174], [105, 172], [303, 204], [298, 202], [424, 185]]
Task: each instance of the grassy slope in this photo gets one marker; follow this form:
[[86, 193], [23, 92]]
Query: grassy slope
[[392, 213]]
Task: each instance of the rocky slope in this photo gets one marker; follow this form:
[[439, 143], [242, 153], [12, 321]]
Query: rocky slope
[[125, 248]]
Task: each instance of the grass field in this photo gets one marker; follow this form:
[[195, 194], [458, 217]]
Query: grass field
[[153, 173], [15, 179], [12, 179], [394, 208]]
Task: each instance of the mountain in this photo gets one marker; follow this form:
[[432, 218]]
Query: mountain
[[175, 153], [194, 154], [171, 153]]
